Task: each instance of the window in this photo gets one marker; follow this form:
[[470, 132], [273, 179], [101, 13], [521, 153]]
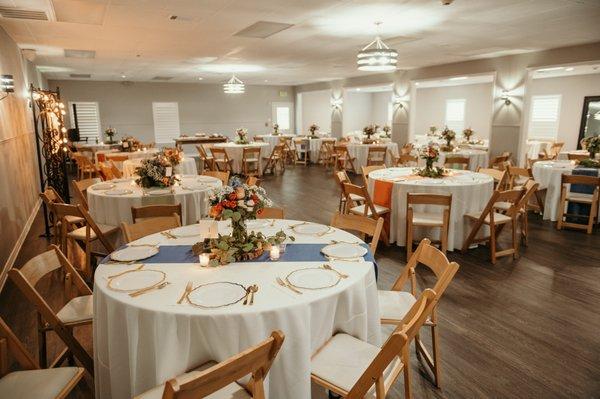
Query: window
[[282, 115], [455, 115], [543, 120], [166, 122], [88, 119]]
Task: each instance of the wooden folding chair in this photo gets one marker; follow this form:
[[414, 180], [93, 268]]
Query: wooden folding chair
[[253, 181], [302, 150], [497, 162], [368, 208], [366, 170], [362, 224], [271, 213], [250, 161], [530, 187], [461, 163], [326, 153], [222, 378], [85, 167], [354, 369], [289, 153], [577, 157], [406, 160], [143, 228], [84, 236], [407, 149], [492, 218], [376, 156], [221, 159], [428, 219], [117, 159], [139, 213], [51, 197], [115, 170], [518, 177], [277, 157], [343, 158], [567, 197], [341, 178], [395, 304], [77, 311], [38, 383], [80, 188], [554, 150], [206, 160], [500, 177], [105, 171], [223, 176]]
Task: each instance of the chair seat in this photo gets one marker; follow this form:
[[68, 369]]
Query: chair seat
[[580, 197], [393, 305], [499, 218], [74, 219], [39, 384], [343, 359], [79, 234], [360, 210], [231, 391], [357, 198], [251, 160], [77, 310], [427, 219], [504, 206]]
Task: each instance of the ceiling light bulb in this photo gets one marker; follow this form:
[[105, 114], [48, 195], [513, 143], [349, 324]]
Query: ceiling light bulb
[[200, 78]]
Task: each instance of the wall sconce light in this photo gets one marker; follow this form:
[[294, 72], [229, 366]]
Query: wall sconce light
[[336, 103], [504, 97], [7, 85], [397, 100]]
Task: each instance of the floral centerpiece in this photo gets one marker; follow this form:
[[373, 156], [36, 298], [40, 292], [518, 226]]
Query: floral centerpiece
[[173, 155], [242, 136], [430, 154], [468, 133], [110, 133], [387, 131], [368, 131], [155, 172], [238, 202], [275, 129], [130, 144], [313, 129], [448, 135], [592, 145], [432, 130]]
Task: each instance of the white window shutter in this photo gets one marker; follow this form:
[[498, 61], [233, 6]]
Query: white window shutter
[[544, 117], [88, 119], [455, 115], [166, 122]]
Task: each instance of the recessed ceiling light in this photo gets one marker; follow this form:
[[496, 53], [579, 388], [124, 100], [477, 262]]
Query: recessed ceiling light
[[358, 89], [549, 69], [123, 76], [459, 78], [417, 83], [230, 68], [569, 69], [200, 78]]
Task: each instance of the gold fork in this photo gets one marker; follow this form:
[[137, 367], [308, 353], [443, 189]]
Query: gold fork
[[327, 267], [188, 288], [289, 286]]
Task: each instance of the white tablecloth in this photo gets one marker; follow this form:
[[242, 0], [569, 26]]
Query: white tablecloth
[[361, 152], [186, 167], [564, 155], [547, 174], [477, 158], [470, 193], [114, 209], [274, 140], [141, 342], [148, 153], [236, 151], [534, 148]]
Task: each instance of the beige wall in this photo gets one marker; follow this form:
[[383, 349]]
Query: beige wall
[[18, 174], [573, 89], [430, 107], [356, 111], [315, 108], [379, 107], [202, 107]]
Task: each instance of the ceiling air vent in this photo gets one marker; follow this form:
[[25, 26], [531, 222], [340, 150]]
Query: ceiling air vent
[[21, 13], [80, 53], [162, 78], [80, 75], [263, 29]]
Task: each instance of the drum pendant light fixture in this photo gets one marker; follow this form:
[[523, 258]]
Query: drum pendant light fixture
[[234, 86], [377, 56]]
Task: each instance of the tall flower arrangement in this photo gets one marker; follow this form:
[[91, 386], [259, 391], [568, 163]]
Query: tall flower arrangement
[[275, 129], [313, 129], [368, 131], [468, 134], [432, 130], [130, 144], [387, 130], [430, 154], [242, 136], [110, 133], [173, 155], [449, 136], [592, 145], [155, 172], [238, 202]]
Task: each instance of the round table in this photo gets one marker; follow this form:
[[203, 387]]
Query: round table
[[186, 167], [470, 193], [192, 194], [236, 151], [564, 155], [141, 342], [272, 140], [361, 151], [548, 175], [140, 154], [477, 158]]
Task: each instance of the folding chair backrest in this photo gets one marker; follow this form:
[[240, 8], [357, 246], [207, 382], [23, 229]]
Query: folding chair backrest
[[63, 210], [463, 162], [361, 224], [152, 211], [223, 176], [407, 158], [80, 187], [148, 226], [251, 153], [115, 170], [363, 192]]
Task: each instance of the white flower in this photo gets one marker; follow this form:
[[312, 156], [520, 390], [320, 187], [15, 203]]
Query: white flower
[[250, 203]]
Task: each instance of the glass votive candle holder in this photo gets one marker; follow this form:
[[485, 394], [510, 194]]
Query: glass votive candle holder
[[204, 260], [282, 248], [274, 252]]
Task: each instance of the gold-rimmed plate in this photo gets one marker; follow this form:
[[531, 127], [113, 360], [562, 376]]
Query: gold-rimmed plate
[[311, 229], [134, 252], [313, 278], [135, 280], [217, 294], [344, 250]]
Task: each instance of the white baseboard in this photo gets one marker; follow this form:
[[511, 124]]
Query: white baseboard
[[13, 254]]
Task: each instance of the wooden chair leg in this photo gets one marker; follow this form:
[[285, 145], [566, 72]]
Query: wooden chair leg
[[561, 209], [42, 343], [409, 238], [444, 239], [493, 243], [406, 370], [436, 355]]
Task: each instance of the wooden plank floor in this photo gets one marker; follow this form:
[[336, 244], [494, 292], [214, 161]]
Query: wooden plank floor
[[528, 328]]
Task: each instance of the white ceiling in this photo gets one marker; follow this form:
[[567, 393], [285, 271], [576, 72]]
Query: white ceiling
[[137, 39], [565, 70]]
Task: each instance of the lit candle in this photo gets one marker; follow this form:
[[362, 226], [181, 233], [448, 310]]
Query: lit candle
[[274, 254], [204, 260]]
